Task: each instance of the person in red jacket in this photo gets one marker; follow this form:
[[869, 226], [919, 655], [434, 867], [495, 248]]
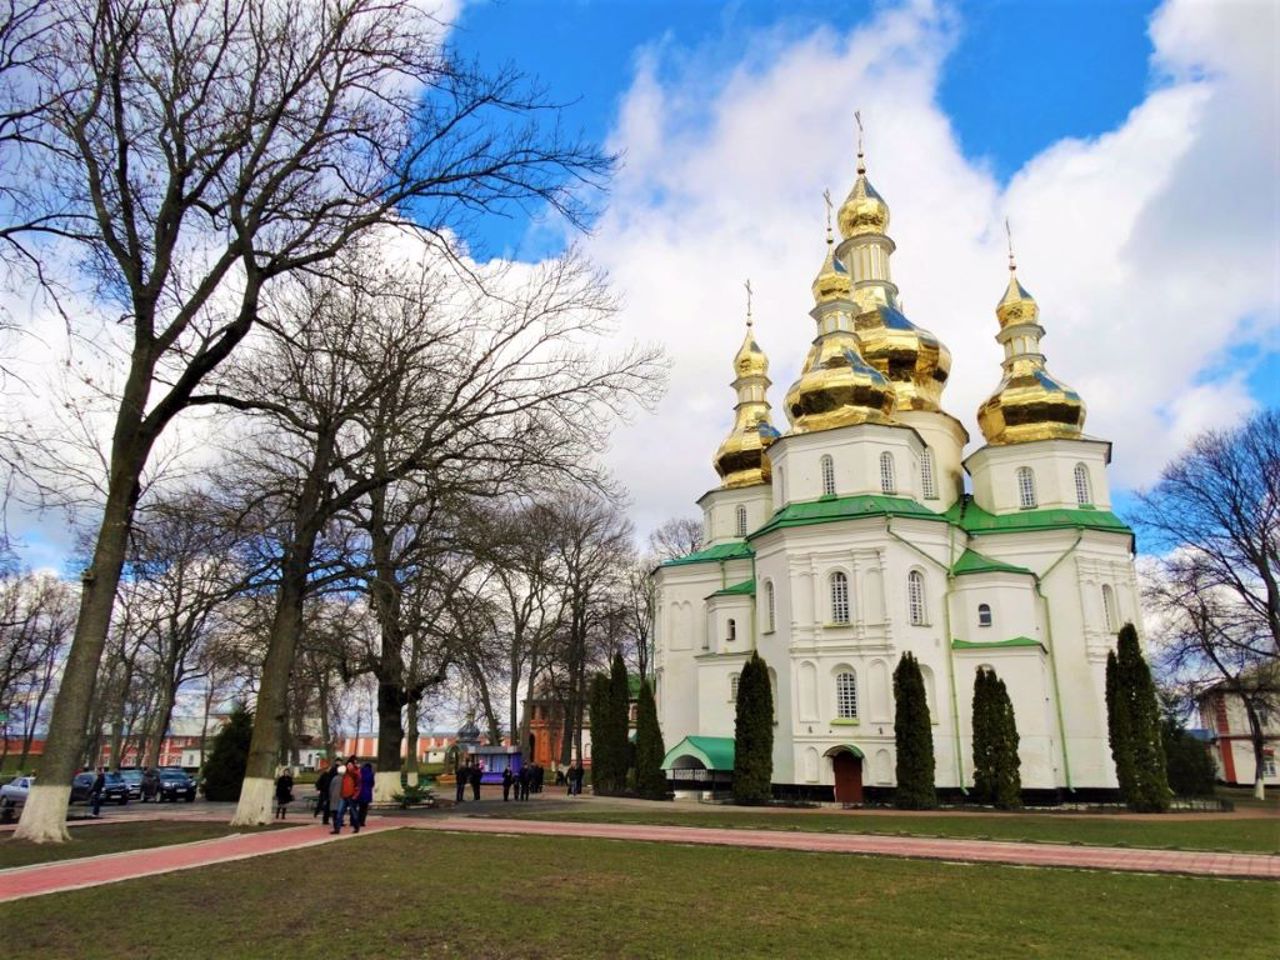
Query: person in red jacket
[[350, 797]]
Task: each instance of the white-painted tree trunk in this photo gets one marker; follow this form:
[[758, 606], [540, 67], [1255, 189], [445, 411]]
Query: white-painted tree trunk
[[411, 778], [1259, 789], [44, 815], [257, 797], [385, 784]]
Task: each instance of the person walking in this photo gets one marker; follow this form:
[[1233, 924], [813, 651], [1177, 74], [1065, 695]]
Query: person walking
[[522, 787], [322, 794], [506, 784], [284, 792], [476, 773], [463, 777], [577, 774], [537, 778], [366, 791], [335, 797], [96, 791]]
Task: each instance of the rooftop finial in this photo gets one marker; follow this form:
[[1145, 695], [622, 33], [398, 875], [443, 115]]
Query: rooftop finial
[[1013, 265], [826, 195], [747, 284], [862, 166]]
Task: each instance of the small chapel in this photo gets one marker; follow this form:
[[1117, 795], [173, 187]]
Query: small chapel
[[851, 536]]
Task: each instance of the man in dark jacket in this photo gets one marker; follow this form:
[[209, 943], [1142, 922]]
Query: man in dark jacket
[[322, 785], [476, 774], [95, 792], [463, 776], [506, 784], [522, 789]]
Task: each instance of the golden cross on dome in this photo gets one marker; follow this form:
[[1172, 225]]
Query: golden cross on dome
[[857, 116], [826, 195], [748, 286], [1009, 235]]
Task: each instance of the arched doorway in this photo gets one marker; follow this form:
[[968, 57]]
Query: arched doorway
[[846, 764]]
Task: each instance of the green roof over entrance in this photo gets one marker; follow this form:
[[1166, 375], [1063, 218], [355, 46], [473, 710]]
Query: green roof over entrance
[[971, 561], [833, 509], [714, 753], [995, 644], [738, 550], [973, 519]]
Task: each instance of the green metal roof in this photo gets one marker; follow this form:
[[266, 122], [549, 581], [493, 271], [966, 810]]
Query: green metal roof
[[995, 644], [973, 519], [971, 561], [747, 588], [715, 753], [832, 509], [738, 550]]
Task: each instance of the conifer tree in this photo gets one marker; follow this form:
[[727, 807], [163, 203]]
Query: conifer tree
[[618, 726], [651, 782], [601, 742], [1007, 789], [1119, 734], [229, 757], [984, 765], [753, 735], [1132, 694], [914, 738]]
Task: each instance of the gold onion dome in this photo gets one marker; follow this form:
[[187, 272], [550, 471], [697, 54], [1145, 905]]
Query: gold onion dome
[[1029, 404], [915, 361], [863, 211], [837, 387], [741, 461]]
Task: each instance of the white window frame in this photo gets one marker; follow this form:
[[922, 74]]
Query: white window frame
[[1026, 488], [846, 695], [770, 607], [1110, 612], [827, 467], [888, 477], [741, 520], [838, 583], [733, 686], [985, 614], [1084, 489], [733, 631], [928, 477], [916, 599]]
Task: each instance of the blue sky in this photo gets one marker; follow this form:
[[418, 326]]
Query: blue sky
[[1022, 74]]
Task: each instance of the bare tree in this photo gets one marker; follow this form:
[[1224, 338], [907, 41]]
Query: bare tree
[[198, 151], [675, 538]]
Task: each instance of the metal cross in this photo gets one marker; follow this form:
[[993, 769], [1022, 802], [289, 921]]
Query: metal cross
[[857, 116], [748, 286], [826, 195], [1009, 234]]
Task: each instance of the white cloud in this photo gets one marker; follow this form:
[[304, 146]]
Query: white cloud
[[1151, 248]]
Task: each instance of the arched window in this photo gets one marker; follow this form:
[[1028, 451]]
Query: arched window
[[928, 481], [733, 687], [984, 615], [828, 477], [839, 598], [915, 597], [846, 695], [1109, 608], [1026, 488], [888, 482], [1083, 494], [733, 630], [742, 521], [769, 617]]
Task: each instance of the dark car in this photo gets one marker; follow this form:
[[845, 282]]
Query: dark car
[[115, 789], [176, 784], [133, 778]]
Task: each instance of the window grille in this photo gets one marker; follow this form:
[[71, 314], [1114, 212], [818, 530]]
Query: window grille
[[915, 597], [888, 482], [769, 606], [928, 481], [1084, 495], [984, 615], [828, 477], [1026, 488], [846, 696], [839, 598], [742, 521]]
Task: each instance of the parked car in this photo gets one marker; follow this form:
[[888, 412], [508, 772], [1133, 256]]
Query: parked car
[[115, 789], [133, 779], [176, 784], [15, 791]]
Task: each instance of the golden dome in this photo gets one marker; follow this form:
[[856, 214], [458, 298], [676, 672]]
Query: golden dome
[[832, 281], [914, 361], [863, 211], [837, 387], [740, 461], [1029, 404]]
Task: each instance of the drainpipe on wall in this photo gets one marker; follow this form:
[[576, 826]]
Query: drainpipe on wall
[[946, 623], [754, 603], [1053, 658]]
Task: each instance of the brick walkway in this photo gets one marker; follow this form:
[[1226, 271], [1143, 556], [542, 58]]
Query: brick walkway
[[42, 878], [1192, 862]]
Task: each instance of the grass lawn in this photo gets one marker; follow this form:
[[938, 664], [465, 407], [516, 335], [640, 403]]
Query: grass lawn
[[90, 841], [416, 895], [1245, 835]]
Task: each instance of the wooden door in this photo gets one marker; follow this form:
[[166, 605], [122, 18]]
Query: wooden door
[[848, 771]]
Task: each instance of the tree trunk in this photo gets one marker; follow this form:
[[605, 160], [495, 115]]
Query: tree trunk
[[44, 815], [164, 713], [411, 743], [1258, 739], [384, 591]]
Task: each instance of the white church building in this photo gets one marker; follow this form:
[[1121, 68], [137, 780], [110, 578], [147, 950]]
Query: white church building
[[837, 545]]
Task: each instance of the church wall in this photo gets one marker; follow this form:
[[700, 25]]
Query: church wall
[[1053, 462], [855, 453], [1026, 674], [946, 438], [720, 512]]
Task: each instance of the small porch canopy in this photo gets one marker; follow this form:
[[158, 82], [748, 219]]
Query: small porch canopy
[[705, 753]]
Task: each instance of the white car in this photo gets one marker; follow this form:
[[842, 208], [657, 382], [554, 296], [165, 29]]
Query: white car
[[16, 790]]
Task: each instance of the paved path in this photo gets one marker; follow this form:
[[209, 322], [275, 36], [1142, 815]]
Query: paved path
[[42, 878], [1197, 863]]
